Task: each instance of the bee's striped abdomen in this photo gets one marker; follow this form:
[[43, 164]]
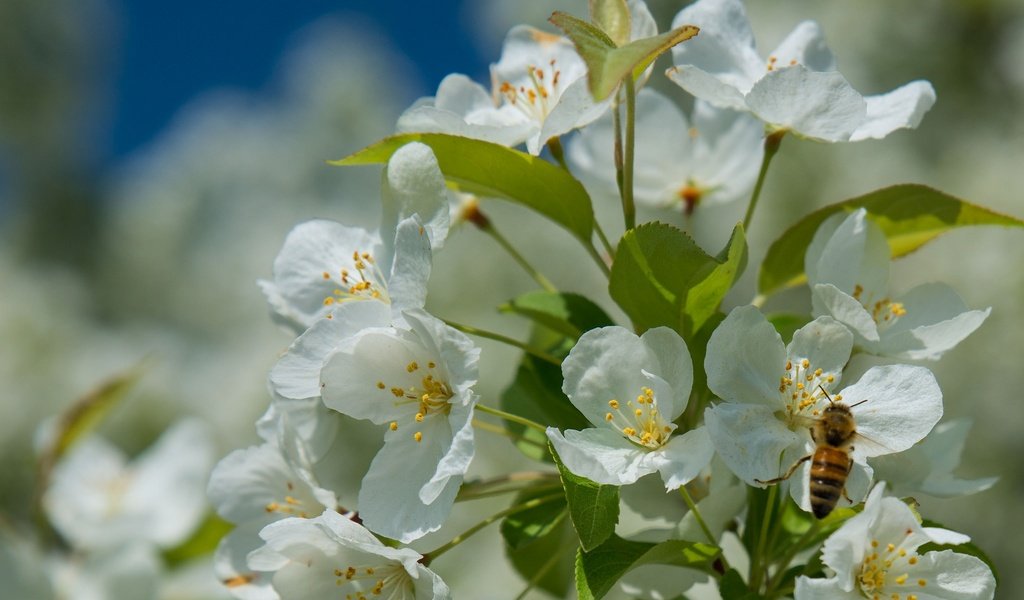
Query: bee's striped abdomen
[[829, 469]]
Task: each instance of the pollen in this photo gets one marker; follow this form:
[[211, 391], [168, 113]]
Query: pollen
[[418, 436], [419, 417], [431, 365], [380, 385], [412, 367], [393, 426], [614, 404], [327, 275]]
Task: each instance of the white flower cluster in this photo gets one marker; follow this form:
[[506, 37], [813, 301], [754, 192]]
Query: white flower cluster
[[366, 347]]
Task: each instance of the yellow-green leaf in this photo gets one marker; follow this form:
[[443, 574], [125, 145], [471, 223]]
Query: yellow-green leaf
[[613, 17]]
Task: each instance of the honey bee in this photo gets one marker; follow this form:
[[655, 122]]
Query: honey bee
[[834, 433]]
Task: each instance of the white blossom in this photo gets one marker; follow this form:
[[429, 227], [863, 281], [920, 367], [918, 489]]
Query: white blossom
[[874, 555], [797, 88], [847, 266], [631, 389], [772, 394]]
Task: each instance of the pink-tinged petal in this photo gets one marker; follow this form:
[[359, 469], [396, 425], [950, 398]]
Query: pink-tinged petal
[[902, 108], [819, 105]]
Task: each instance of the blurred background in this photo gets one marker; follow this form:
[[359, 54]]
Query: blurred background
[[153, 157]]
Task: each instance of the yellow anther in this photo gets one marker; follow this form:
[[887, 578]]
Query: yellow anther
[[901, 579], [874, 543], [350, 572], [327, 275], [789, 365], [830, 378], [328, 301], [380, 385], [369, 570], [397, 392], [419, 417], [411, 366], [912, 560], [629, 431], [418, 436], [393, 426], [902, 552], [638, 412], [805, 363], [922, 582], [608, 416], [431, 365], [890, 547], [614, 404]]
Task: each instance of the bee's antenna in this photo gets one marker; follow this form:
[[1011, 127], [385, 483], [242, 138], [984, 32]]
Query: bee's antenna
[[830, 401], [859, 403]]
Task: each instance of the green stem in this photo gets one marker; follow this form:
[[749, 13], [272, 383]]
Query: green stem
[[628, 207], [758, 564], [433, 554], [511, 417], [702, 523], [597, 259], [505, 340], [771, 146], [505, 432], [791, 552], [555, 146], [513, 482], [604, 239], [539, 277]]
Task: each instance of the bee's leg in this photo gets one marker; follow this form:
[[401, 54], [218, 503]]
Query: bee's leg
[[849, 467], [788, 474]]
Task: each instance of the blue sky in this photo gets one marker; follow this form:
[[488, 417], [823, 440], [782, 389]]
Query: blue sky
[[171, 52]]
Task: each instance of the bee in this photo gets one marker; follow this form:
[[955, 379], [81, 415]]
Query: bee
[[834, 433]]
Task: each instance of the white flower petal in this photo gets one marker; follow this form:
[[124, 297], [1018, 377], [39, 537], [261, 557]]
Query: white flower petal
[[313, 422], [727, 153], [822, 589], [936, 320], [297, 374], [902, 108], [854, 254], [805, 45], [642, 24], [414, 185], [390, 501], [819, 105], [683, 457], [575, 108], [455, 462], [827, 299], [954, 576], [825, 343], [708, 87], [230, 564], [410, 271], [745, 358], [601, 455], [945, 536], [724, 49], [903, 403], [751, 440]]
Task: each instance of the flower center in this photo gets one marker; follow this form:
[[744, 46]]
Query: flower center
[[639, 420], [360, 582], [537, 94], [363, 282], [431, 396], [292, 506], [885, 312], [875, 580], [690, 194], [773, 63], [802, 387]]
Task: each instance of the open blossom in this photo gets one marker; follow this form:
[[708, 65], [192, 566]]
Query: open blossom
[[324, 263], [927, 468], [847, 265], [538, 91], [632, 389], [679, 163], [797, 88], [772, 393], [98, 499], [875, 555], [415, 379], [330, 556]]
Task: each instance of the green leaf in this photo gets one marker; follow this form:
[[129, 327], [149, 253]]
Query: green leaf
[[568, 314], [787, 323], [733, 587], [526, 527], [548, 563], [536, 393], [661, 277], [910, 215], [597, 570], [608, 65], [593, 507], [203, 541], [612, 17], [486, 169]]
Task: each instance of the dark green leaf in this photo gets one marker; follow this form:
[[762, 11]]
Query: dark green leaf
[[566, 313], [732, 587], [593, 507], [494, 171], [599, 569], [612, 17], [909, 214], [608, 65], [525, 527], [661, 277], [548, 563], [969, 548], [536, 393]]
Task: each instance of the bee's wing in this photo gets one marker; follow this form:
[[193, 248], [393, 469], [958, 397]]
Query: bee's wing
[[870, 447]]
